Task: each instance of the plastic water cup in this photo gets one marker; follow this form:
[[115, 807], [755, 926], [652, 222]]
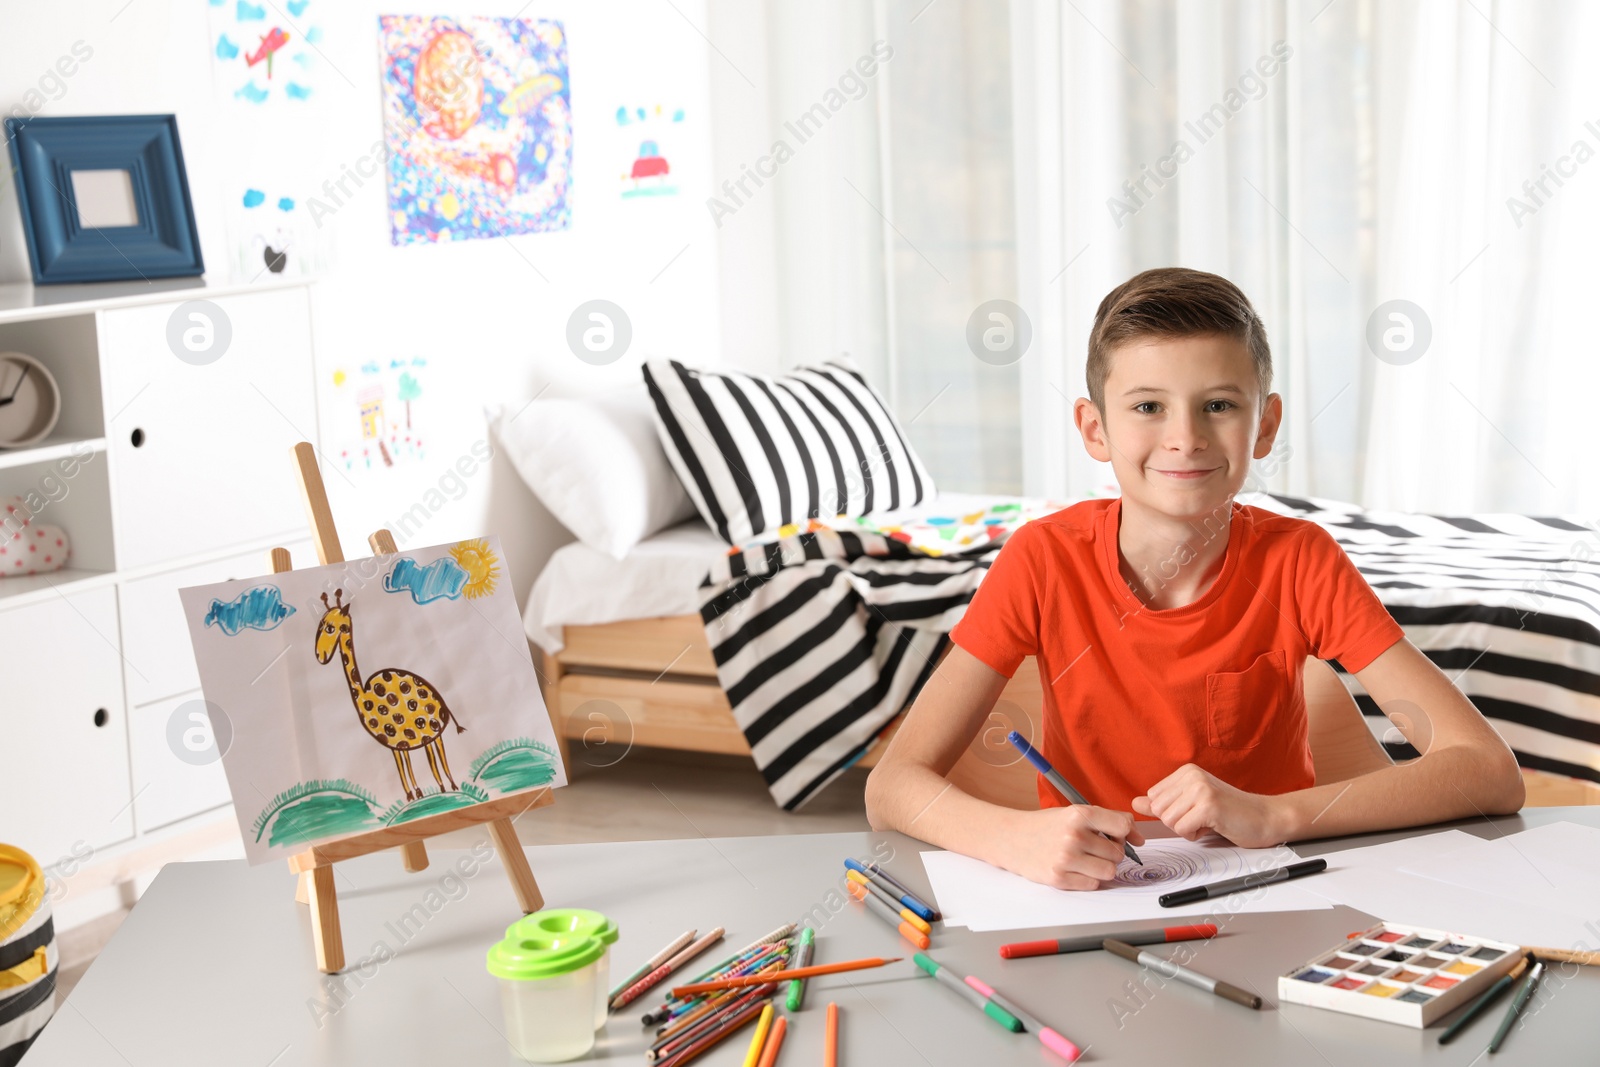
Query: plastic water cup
[[547, 990], [576, 922]]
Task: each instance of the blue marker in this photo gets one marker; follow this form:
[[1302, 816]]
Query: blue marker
[[1063, 786], [915, 906]]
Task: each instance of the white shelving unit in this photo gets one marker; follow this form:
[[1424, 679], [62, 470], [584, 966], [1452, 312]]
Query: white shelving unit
[[164, 474]]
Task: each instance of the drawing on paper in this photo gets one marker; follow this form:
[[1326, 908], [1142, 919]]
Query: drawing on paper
[[264, 56], [478, 125], [385, 431], [652, 134], [320, 753]]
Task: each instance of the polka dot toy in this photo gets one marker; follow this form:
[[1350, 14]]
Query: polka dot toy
[[26, 546]]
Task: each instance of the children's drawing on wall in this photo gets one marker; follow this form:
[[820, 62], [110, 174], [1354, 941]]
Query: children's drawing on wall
[[378, 403], [265, 55], [478, 123], [651, 137], [437, 713]]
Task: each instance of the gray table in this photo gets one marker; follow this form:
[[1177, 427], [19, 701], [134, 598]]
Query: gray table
[[214, 966]]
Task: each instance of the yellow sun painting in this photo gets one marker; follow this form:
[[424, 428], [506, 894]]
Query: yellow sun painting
[[481, 565]]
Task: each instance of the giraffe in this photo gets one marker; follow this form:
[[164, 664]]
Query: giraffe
[[402, 711]]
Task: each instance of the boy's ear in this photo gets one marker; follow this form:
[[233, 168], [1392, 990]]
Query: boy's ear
[[1091, 424], [1267, 428]]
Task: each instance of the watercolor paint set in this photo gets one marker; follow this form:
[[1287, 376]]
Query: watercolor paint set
[[1400, 974]]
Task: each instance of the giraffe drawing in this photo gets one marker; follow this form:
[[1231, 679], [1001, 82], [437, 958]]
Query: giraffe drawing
[[402, 711]]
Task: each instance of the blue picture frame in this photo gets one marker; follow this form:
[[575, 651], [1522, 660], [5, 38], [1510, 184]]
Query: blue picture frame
[[164, 242]]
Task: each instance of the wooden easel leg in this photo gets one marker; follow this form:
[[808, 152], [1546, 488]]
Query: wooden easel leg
[[552, 702], [515, 861], [326, 939], [302, 888], [415, 856]]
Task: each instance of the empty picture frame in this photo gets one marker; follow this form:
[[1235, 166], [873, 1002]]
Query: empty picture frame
[[104, 198]]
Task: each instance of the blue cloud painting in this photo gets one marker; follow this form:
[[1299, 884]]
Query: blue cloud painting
[[261, 608], [444, 577]]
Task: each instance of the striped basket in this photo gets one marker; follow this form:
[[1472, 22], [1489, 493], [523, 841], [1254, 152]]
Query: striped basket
[[28, 957]]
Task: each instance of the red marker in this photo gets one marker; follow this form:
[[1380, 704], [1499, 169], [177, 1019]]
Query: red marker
[[1084, 944]]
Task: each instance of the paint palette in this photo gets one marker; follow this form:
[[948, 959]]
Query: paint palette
[[1400, 974]]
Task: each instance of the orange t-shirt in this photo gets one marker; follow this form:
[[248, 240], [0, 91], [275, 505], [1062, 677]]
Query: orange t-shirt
[[1131, 693]]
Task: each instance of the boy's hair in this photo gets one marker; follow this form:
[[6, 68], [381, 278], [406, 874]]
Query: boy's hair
[[1174, 302]]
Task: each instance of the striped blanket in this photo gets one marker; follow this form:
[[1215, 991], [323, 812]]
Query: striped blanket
[[823, 636]]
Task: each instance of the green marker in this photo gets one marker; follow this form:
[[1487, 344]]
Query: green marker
[[797, 986], [972, 996]]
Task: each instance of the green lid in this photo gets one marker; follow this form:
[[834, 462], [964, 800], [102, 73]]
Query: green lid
[[542, 957], [565, 922]]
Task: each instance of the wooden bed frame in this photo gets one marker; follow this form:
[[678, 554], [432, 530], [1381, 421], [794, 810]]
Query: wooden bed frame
[[653, 682]]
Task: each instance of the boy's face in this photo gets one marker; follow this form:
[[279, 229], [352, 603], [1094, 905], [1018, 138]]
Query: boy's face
[[1184, 417]]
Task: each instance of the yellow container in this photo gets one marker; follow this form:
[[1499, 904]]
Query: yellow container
[[27, 953]]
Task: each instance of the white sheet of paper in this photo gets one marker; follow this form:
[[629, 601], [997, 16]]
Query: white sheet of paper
[[973, 894], [1555, 868], [1371, 879]]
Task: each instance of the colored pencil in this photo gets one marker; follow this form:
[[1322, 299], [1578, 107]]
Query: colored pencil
[[721, 1033], [1168, 969], [901, 896], [639, 988], [883, 911], [1019, 949], [668, 1047], [1567, 955], [909, 898], [830, 1037], [768, 938], [752, 961], [1524, 991], [1062, 786], [1049, 1038], [1195, 894], [769, 1053], [892, 903], [946, 977], [752, 1055], [798, 972], [1487, 997], [713, 1006], [653, 962], [797, 986]]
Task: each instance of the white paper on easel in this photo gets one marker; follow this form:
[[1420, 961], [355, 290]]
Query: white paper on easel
[[1371, 879], [368, 693], [974, 894]]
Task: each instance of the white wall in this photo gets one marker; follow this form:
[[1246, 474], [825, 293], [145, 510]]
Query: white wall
[[489, 315]]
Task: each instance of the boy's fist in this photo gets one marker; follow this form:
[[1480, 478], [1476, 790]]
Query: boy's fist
[[1195, 802], [1063, 847]]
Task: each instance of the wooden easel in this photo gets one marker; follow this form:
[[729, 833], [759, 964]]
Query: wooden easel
[[315, 865]]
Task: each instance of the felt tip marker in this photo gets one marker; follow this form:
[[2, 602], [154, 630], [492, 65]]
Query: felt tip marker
[[1168, 969], [890, 902], [1195, 894], [1062, 786], [1047, 1037], [879, 877], [1094, 942], [946, 977]]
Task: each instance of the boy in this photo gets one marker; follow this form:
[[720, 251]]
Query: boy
[[1171, 626]]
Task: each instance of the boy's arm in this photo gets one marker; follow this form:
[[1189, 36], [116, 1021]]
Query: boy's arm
[[1465, 769], [908, 791]]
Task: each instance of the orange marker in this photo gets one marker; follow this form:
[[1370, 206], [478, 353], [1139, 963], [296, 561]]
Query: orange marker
[[889, 902], [781, 975], [882, 911], [769, 1054], [830, 1038]]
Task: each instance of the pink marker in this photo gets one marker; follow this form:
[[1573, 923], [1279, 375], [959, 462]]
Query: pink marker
[[1048, 1037]]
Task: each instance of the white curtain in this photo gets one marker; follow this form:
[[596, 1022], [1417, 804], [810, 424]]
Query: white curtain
[[1330, 158]]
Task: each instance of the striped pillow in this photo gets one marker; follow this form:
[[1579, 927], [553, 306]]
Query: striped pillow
[[757, 453]]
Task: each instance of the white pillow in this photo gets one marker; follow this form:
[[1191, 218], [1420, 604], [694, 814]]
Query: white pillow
[[597, 464]]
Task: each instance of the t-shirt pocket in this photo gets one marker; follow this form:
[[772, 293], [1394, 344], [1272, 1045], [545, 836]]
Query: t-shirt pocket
[[1240, 705]]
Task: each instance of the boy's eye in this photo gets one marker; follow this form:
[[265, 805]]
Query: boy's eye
[[1213, 407], [1140, 408]]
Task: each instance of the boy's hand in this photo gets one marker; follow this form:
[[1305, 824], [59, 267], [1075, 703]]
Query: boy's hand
[[1061, 847], [1195, 802]]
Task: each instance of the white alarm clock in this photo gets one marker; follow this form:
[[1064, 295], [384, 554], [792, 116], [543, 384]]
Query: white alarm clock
[[30, 401]]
